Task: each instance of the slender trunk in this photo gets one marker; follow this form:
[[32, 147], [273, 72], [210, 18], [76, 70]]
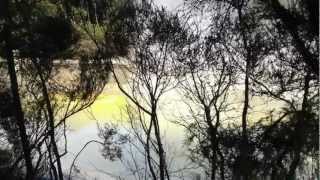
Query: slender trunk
[[213, 166], [53, 170], [244, 169], [245, 106], [147, 148], [15, 92], [52, 135], [317, 171], [222, 172], [51, 122], [306, 93], [244, 141], [162, 163], [212, 135]]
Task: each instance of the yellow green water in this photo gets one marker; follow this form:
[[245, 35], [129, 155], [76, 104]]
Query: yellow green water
[[108, 107]]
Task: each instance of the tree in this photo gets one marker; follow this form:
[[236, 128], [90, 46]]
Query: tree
[[209, 74], [300, 20], [34, 38], [19, 118], [278, 55], [153, 49]]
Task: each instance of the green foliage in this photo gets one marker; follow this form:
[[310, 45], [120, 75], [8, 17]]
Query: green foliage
[[48, 37], [46, 8]]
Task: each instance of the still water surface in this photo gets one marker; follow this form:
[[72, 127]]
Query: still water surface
[[110, 108]]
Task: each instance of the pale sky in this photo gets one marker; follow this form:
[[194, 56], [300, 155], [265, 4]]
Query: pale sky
[[170, 4]]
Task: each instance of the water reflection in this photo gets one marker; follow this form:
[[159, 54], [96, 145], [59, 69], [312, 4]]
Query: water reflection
[[110, 108]]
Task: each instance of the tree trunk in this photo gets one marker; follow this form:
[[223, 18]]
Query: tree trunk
[[244, 142], [147, 149], [51, 121], [213, 145], [15, 92], [53, 170], [222, 171], [162, 162]]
